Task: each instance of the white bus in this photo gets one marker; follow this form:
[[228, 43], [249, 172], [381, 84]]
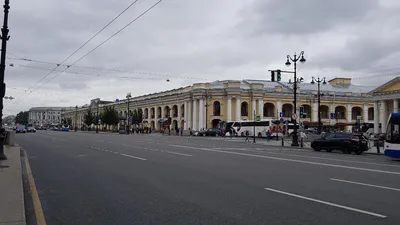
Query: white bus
[[273, 126]]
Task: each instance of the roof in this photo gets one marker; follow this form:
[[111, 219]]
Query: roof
[[385, 84]]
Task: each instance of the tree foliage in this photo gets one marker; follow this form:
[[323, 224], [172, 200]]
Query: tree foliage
[[109, 116], [88, 118], [22, 117], [137, 116]]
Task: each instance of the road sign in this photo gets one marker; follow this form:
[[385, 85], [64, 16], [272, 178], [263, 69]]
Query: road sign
[[294, 116], [333, 116], [281, 115], [258, 117], [99, 121], [286, 122], [130, 118], [281, 120], [161, 121]]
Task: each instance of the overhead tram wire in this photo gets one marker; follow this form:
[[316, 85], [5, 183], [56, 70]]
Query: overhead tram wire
[[84, 44], [76, 61]]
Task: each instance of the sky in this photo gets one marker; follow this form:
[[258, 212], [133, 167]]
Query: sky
[[188, 41]]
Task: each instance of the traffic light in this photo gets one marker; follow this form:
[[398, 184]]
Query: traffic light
[[278, 78], [272, 75], [301, 111]]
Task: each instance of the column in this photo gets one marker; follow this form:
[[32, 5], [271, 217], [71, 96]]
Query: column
[[395, 106], [383, 116], [162, 112], [189, 115], [261, 107], [185, 117], [278, 108], [376, 118], [365, 117], [229, 109], [149, 115], [237, 109], [195, 121], [331, 110], [315, 112], [349, 107], [179, 115], [156, 120], [201, 114], [253, 108]]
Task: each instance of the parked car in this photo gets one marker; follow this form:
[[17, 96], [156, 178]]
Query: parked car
[[30, 129], [20, 129], [209, 132], [346, 142]]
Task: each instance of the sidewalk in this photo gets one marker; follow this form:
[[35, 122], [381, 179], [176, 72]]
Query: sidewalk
[[12, 209]]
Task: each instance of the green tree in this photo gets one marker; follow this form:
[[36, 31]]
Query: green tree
[[110, 116], [137, 116], [88, 118], [22, 117]]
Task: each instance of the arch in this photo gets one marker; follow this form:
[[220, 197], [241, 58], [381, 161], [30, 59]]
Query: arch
[[182, 125], [158, 112], [146, 113], [167, 112], [371, 113], [215, 123], [306, 111], [174, 111], [340, 112], [152, 113], [268, 110], [356, 111], [174, 124], [287, 110], [324, 111], [244, 109], [217, 108]]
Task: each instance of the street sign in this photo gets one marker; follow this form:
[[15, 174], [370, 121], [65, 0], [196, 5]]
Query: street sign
[[286, 122], [281, 120], [281, 115], [130, 118], [99, 121], [294, 116], [161, 121], [333, 116], [258, 117]]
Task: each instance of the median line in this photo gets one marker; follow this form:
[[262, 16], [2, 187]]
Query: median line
[[292, 160], [327, 203], [131, 156], [365, 184]]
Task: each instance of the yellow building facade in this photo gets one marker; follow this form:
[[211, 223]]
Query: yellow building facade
[[204, 105]]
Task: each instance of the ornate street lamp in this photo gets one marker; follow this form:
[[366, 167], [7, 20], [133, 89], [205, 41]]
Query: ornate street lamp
[[294, 59], [319, 81]]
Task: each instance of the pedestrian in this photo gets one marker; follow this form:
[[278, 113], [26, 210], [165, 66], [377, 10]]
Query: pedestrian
[[247, 136], [181, 131], [268, 134], [190, 132]]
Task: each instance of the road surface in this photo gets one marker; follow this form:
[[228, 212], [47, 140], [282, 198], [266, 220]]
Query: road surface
[[87, 178]]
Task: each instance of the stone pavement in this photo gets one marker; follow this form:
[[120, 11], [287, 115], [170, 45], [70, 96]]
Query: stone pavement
[[12, 210]]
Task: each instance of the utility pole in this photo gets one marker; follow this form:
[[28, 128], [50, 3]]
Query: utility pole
[[128, 95], [97, 117], [206, 109], [76, 118], [4, 38]]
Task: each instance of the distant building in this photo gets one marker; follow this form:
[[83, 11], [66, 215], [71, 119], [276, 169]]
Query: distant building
[[46, 115]]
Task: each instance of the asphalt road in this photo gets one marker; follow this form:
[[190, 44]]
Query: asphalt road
[[98, 179]]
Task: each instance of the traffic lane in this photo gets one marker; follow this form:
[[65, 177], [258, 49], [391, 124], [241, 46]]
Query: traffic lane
[[107, 191], [256, 169], [307, 216], [349, 175]]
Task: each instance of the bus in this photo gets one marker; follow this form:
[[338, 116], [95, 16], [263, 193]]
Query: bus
[[275, 127], [392, 139]]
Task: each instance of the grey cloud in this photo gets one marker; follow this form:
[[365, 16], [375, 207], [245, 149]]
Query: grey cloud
[[303, 17]]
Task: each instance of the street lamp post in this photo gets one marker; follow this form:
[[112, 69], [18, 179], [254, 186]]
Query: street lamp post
[[4, 38], [128, 95], [76, 118], [300, 57], [319, 81], [97, 117]]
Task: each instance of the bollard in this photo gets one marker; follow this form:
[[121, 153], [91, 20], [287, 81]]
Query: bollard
[[301, 142], [283, 144]]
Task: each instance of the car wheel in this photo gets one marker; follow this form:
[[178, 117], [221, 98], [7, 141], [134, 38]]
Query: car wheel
[[317, 148], [359, 152]]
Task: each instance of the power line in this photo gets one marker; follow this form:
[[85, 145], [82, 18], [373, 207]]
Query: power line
[[76, 61], [84, 44]]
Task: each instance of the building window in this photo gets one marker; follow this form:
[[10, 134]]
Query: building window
[[244, 110], [217, 108]]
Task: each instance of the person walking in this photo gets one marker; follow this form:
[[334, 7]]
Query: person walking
[[268, 134], [247, 136]]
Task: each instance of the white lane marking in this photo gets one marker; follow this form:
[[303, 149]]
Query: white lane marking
[[131, 156], [332, 159], [327, 203], [292, 160], [155, 150], [364, 184]]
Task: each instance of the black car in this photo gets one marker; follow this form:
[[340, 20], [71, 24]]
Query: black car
[[346, 142], [209, 132]]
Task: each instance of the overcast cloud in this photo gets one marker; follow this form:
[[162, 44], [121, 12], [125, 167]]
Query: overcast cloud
[[189, 41]]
